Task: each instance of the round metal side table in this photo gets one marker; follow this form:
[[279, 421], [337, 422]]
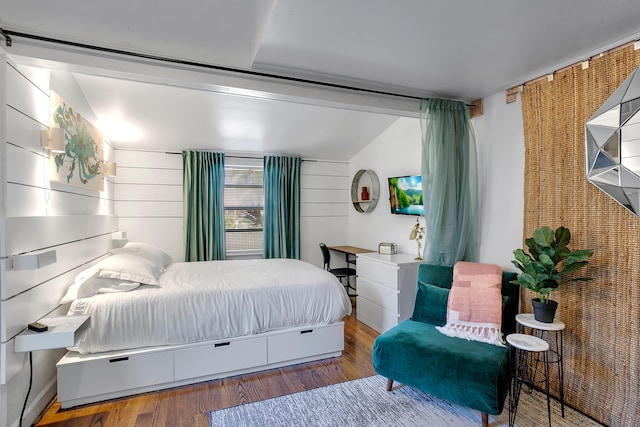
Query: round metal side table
[[526, 353], [553, 333]]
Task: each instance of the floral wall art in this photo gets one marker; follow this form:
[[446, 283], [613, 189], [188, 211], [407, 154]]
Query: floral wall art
[[82, 163]]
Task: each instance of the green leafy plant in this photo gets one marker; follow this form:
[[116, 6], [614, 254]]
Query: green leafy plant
[[548, 262]]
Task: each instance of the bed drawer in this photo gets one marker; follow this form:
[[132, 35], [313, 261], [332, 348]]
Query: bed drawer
[[305, 342], [219, 356], [79, 377]]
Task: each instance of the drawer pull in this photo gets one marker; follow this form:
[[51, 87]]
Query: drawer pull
[[306, 331], [222, 344], [118, 359]]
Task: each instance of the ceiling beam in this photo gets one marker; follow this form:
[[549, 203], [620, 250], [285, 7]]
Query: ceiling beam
[[215, 79]]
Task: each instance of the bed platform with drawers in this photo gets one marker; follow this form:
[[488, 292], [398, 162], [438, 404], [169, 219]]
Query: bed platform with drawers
[[156, 324]]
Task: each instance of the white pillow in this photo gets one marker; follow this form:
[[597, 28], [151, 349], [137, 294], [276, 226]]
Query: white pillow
[[129, 267], [145, 250], [92, 284]]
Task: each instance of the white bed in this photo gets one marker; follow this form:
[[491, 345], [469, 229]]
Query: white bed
[[198, 321], [201, 301]]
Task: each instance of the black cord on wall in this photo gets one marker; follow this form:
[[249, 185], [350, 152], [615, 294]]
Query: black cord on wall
[[29, 390]]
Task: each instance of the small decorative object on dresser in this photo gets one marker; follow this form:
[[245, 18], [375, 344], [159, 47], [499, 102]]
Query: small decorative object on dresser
[[417, 233], [545, 266], [387, 248]]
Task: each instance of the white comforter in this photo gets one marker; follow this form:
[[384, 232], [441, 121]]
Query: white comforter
[[201, 301]]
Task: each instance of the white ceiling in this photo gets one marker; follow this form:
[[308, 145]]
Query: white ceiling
[[453, 49]]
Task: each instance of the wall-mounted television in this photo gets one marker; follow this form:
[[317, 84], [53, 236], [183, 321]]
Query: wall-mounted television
[[405, 195]]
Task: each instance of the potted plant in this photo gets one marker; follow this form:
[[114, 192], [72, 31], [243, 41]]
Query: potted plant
[[546, 266]]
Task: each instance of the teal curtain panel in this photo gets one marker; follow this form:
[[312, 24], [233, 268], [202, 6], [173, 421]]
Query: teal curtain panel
[[450, 182], [203, 190], [281, 207]]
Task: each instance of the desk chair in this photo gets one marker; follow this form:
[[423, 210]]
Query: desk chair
[[340, 273]]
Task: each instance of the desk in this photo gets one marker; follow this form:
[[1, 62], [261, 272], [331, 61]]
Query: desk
[[350, 252]]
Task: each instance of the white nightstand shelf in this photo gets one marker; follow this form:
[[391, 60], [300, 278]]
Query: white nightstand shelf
[[62, 333]]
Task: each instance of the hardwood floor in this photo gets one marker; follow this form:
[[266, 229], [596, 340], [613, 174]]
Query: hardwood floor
[[189, 405]]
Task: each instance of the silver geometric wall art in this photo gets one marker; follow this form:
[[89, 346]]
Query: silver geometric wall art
[[612, 137]]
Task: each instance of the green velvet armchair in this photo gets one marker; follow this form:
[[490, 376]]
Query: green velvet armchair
[[415, 353]]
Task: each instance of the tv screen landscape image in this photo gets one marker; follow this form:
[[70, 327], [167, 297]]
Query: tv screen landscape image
[[405, 195]]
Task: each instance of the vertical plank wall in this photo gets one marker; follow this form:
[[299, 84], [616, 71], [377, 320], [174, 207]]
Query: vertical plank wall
[[39, 215], [149, 202]]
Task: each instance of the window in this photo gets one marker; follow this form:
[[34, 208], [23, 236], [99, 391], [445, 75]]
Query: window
[[243, 209]]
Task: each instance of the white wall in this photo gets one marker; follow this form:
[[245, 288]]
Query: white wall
[[325, 205], [37, 215], [149, 201], [500, 146], [500, 139], [395, 152], [3, 188]]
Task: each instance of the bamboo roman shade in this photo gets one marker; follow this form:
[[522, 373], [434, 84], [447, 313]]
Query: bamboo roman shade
[[602, 342]]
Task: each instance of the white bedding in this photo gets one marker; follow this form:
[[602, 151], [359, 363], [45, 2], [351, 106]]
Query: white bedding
[[199, 301]]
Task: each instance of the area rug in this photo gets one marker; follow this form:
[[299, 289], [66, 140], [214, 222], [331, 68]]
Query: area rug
[[365, 402]]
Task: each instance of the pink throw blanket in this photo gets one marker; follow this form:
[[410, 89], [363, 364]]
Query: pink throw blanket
[[474, 309]]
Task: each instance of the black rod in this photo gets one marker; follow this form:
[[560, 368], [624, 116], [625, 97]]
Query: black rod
[[256, 157], [8, 33], [7, 39]]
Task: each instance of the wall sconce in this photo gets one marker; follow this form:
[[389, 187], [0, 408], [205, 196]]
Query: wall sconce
[[118, 239], [33, 261], [53, 139], [110, 168], [119, 235]]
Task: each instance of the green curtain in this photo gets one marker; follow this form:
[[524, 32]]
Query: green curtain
[[450, 182], [281, 237], [203, 191]]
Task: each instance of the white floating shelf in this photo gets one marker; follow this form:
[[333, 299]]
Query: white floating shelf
[[61, 333]]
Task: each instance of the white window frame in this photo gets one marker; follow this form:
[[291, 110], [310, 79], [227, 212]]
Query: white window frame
[[246, 163]]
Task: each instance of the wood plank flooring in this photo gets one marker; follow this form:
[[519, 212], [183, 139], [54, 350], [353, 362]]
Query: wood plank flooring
[[190, 405]]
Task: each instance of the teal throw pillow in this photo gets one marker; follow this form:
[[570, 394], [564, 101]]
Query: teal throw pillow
[[431, 304]]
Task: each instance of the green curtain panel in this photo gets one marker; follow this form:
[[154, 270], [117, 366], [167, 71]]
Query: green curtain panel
[[450, 182], [281, 207], [203, 189]]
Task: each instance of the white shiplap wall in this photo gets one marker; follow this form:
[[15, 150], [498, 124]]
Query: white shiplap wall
[[149, 199], [38, 215], [324, 211], [149, 202]]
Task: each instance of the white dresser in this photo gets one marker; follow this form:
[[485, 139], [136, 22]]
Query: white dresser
[[386, 289]]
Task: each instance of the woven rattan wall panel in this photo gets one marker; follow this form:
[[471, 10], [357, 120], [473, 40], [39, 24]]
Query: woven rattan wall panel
[[602, 337]]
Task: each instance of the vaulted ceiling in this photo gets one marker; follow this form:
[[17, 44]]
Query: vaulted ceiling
[[415, 48]]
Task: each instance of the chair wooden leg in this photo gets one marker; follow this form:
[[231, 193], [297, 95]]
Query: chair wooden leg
[[389, 384], [485, 419]]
